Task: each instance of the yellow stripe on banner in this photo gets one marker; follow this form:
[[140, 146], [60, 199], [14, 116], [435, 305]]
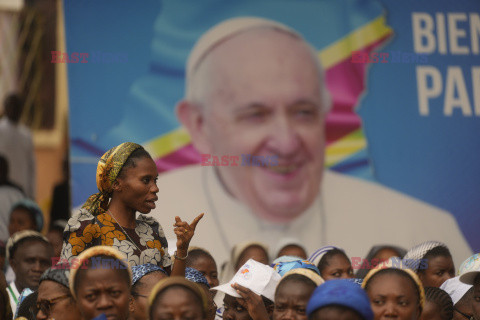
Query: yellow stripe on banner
[[356, 40], [345, 147], [167, 143]]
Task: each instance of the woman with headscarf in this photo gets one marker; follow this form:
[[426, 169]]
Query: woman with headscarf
[[101, 284], [126, 180], [332, 262], [54, 300], [177, 298], [394, 292], [432, 261], [144, 278]]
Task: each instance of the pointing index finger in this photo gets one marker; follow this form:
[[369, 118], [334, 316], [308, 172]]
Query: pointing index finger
[[196, 220]]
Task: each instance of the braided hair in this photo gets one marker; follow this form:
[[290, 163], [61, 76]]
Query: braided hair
[[442, 300]]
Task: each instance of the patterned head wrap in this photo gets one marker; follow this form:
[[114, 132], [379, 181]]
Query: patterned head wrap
[[164, 284], [59, 276], [196, 276], [20, 235], [142, 270], [284, 267], [309, 273], [390, 264], [414, 255], [470, 269], [93, 252], [318, 254], [32, 207], [108, 169]]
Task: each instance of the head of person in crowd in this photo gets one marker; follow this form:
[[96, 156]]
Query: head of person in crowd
[[13, 107], [293, 293], [144, 278], [290, 247], [29, 254], [249, 250], [54, 300], [462, 297], [177, 298], [55, 236], [251, 290], [438, 305], [100, 282], [379, 254], [25, 215], [332, 262], [270, 103], [201, 260], [197, 277], [127, 183], [5, 308], [339, 299], [470, 275], [394, 292], [432, 261], [283, 267]]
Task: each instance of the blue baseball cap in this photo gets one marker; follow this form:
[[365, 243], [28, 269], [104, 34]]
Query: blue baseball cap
[[341, 292]]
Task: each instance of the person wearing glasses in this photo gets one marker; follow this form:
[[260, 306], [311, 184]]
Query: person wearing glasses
[[54, 299]]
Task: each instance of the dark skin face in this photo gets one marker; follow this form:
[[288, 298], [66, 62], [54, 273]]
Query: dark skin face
[[20, 220], [464, 305], [476, 298], [208, 268], [253, 252], [293, 250], [103, 291], [393, 296], [136, 190], [64, 308], [29, 262], [291, 300], [338, 267], [177, 304], [334, 314], [439, 270], [431, 311], [233, 310], [140, 302]]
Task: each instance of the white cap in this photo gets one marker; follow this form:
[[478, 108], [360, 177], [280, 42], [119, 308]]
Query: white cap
[[455, 288], [259, 278], [469, 269]]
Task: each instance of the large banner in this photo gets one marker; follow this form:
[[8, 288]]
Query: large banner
[[404, 79]]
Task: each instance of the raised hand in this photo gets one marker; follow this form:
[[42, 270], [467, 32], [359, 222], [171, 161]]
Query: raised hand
[[185, 231], [252, 302]]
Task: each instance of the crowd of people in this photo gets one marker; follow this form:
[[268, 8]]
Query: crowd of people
[[115, 264]]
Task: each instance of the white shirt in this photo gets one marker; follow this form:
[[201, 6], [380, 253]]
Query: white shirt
[[13, 295], [350, 213], [16, 146]]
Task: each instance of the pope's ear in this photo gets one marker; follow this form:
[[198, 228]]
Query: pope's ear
[[193, 119]]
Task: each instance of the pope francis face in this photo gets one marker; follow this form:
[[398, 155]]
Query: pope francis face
[[258, 93]]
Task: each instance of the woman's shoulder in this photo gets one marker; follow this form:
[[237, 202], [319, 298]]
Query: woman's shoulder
[[79, 218], [144, 220]]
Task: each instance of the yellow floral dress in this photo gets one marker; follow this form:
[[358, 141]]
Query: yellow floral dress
[[85, 230]]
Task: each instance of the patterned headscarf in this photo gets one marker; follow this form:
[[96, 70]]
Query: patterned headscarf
[[196, 276], [414, 255], [284, 267], [32, 207], [142, 270], [319, 253], [59, 276], [108, 169]]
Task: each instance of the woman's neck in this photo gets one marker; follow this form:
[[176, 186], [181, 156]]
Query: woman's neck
[[123, 216]]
